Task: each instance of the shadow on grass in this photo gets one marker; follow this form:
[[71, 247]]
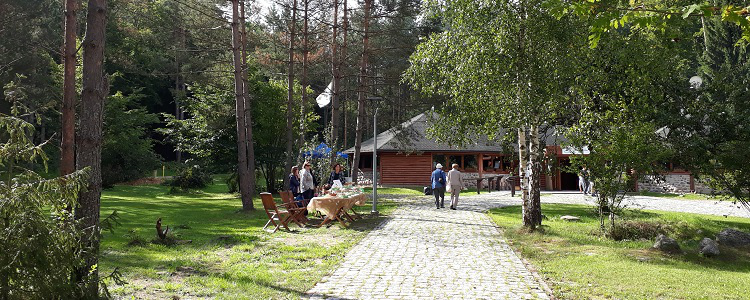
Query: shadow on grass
[[730, 260], [202, 217]]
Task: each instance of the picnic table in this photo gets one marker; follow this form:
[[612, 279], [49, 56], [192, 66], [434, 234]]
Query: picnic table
[[335, 208]]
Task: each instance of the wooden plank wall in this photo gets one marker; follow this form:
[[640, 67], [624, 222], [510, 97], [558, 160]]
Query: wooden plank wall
[[400, 169]]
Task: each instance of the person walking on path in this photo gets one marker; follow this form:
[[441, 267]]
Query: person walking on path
[[307, 185], [438, 185], [455, 185]]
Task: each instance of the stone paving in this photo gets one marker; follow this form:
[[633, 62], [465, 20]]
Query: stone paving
[[705, 207], [426, 253]]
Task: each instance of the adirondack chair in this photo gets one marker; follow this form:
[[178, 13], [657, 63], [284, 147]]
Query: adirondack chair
[[275, 216], [298, 212]]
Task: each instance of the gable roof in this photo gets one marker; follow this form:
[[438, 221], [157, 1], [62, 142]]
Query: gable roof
[[411, 136]]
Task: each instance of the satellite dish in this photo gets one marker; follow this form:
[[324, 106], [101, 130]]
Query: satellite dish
[[696, 82], [325, 98]]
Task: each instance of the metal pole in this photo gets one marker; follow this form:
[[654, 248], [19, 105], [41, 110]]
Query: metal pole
[[375, 163]]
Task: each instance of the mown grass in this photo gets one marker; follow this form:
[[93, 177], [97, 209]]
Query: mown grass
[[688, 196], [579, 263], [230, 256]]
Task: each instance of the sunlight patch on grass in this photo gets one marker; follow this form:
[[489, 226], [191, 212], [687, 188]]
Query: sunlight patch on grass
[[579, 263], [248, 264], [687, 196]]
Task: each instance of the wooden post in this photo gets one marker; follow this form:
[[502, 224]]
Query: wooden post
[[481, 164]]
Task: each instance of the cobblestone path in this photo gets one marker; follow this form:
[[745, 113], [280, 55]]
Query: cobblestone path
[[426, 253]]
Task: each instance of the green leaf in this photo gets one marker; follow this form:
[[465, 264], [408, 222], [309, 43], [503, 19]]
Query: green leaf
[[689, 10]]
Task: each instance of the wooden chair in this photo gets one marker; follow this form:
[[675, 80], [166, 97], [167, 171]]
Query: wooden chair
[[275, 216], [298, 213]]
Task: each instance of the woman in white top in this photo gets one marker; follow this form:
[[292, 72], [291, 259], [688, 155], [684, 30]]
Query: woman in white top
[[307, 185]]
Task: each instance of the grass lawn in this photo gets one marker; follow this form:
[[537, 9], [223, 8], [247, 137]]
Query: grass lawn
[[230, 256], [688, 196], [578, 263]]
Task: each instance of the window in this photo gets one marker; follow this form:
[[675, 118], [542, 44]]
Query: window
[[438, 159], [470, 162], [489, 164], [455, 159], [494, 164], [366, 161]]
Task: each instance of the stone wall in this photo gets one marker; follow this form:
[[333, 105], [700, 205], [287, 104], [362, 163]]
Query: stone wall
[[701, 188], [470, 175], [669, 183]]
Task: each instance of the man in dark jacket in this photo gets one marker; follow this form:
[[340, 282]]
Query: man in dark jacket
[[438, 186]]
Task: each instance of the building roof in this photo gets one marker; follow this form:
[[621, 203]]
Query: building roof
[[411, 136]]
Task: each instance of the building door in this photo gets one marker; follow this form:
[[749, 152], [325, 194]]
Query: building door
[[568, 181]]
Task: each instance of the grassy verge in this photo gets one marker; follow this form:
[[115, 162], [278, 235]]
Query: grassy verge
[[579, 263], [230, 256], [689, 196]]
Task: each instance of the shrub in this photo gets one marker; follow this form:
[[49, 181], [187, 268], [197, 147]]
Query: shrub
[[127, 151], [190, 177], [233, 183], [634, 230], [135, 239]]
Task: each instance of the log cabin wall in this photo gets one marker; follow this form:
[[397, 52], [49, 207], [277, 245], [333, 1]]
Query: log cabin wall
[[401, 169]]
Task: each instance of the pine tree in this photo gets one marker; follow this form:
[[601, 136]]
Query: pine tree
[[38, 231]]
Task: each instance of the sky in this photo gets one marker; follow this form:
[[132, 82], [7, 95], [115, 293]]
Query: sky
[[265, 5]]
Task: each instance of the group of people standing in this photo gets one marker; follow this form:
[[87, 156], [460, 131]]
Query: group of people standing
[[451, 182], [304, 183]]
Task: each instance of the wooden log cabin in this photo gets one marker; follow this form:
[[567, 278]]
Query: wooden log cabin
[[407, 157]]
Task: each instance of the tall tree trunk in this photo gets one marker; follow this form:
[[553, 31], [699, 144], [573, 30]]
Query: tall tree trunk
[[336, 69], [290, 95], [522, 165], [361, 92], [4, 276], [67, 144], [178, 80], [343, 61], [243, 171], [535, 209], [303, 112], [89, 152], [521, 81], [271, 182], [248, 110]]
